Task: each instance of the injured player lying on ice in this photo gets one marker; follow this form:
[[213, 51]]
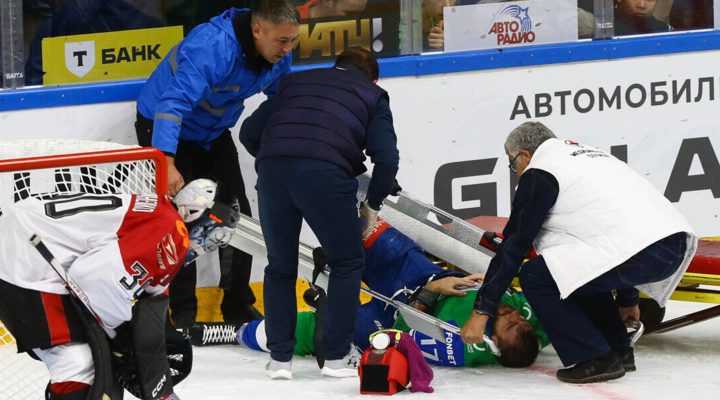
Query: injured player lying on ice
[[398, 268]]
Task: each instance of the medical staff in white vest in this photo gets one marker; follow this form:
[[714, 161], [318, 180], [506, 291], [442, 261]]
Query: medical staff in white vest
[[597, 226]]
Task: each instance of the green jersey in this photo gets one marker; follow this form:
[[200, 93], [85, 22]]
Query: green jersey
[[452, 352], [457, 310]]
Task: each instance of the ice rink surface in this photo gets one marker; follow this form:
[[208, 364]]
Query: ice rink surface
[[680, 365]]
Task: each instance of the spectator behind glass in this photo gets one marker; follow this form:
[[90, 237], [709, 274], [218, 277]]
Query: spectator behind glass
[[330, 8], [691, 14], [634, 17], [190, 13], [433, 24]]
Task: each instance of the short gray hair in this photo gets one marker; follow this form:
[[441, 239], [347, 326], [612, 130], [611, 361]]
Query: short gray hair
[[276, 12], [528, 136]]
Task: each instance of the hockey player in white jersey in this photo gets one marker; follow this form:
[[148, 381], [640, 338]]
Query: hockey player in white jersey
[[120, 253]]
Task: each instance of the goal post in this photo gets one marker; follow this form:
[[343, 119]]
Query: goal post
[[95, 157]]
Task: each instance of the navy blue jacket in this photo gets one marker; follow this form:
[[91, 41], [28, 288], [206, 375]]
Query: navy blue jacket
[[322, 114], [329, 114]]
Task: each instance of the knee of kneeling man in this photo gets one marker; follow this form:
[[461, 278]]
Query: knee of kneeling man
[[528, 280], [535, 273], [524, 279]]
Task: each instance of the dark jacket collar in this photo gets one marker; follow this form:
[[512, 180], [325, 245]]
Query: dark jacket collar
[[243, 32]]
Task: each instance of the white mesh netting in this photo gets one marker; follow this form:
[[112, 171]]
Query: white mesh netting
[[21, 377], [112, 177]]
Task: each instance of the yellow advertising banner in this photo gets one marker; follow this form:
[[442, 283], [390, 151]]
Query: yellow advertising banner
[[106, 56]]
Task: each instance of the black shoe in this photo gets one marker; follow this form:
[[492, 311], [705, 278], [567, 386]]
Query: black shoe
[[212, 333], [243, 315], [627, 357], [182, 322], [604, 368], [311, 297], [250, 313]]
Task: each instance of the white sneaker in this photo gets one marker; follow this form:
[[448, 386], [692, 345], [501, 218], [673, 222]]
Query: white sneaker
[[279, 370], [346, 367]]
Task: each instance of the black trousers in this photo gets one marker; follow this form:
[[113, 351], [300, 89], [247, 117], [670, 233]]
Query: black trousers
[[587, 324], [290, 190], [39, 319], [220, 163]]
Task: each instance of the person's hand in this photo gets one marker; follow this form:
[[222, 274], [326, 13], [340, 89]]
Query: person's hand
[[368, 217], [476, 277], [628, 313], [449, 286], [436, 37], [175, 178], [396, 188], [474, 329]]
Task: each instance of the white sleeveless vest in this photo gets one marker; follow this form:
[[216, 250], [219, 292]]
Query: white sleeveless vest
[[605, 213]]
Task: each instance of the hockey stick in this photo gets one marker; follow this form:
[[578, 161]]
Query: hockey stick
[[70, 283], [248, 237], [685, 320], [416, 319], [104, 385]]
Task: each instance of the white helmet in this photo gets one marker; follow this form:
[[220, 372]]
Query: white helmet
[[210, 223], [194, 198]]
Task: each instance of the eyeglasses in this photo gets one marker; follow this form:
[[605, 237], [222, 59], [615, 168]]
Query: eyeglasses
[[512, 166]]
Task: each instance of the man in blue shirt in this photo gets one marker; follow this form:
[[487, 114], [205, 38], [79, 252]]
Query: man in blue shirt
[[308, 142], [187, 107]]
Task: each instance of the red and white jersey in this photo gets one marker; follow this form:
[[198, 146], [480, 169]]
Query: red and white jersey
[[114, 246]]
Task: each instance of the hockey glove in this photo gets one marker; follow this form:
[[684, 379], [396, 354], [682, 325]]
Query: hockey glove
[[422, 299]]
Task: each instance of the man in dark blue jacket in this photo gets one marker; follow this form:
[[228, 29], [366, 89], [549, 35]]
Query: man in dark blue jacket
[[187, 107], [308, 142]]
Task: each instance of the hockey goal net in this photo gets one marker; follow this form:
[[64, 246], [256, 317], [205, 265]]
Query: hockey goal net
[[34, 167]]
